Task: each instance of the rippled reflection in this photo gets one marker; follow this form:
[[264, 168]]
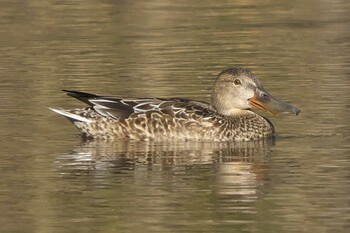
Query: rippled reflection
[[129, 154], [237, 168]]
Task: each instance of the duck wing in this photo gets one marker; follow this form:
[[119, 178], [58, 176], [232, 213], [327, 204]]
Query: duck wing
[[121, 108]]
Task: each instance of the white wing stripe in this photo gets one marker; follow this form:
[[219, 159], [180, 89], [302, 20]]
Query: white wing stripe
[[71, 115]]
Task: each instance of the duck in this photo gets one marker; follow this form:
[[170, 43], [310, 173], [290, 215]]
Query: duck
[[230, 116]]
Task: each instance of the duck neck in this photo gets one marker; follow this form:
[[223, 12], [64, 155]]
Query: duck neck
[[233, 112]]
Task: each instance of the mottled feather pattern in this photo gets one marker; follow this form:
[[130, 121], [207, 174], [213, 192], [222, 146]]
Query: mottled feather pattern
[[167, 119]]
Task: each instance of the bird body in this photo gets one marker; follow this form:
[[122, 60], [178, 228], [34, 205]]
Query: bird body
[[228, 118]]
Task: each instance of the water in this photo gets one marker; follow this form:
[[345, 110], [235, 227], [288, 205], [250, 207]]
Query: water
[[53, 182]]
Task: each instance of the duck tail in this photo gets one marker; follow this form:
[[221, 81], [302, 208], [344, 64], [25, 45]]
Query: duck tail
[[71, 116], [82, 96]]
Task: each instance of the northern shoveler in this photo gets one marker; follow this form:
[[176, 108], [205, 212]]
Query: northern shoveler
[[229, 117]]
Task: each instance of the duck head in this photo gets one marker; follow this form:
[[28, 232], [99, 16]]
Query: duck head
[[237, 90]]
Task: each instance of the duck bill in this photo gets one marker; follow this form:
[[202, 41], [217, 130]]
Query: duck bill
[[268, 103]]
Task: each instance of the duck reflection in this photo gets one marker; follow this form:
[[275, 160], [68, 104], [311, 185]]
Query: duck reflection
[[233, 163], [189, 177], [128, 154]]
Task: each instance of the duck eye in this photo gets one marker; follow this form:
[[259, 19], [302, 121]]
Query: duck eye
[[264, 95], [237, 82]]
